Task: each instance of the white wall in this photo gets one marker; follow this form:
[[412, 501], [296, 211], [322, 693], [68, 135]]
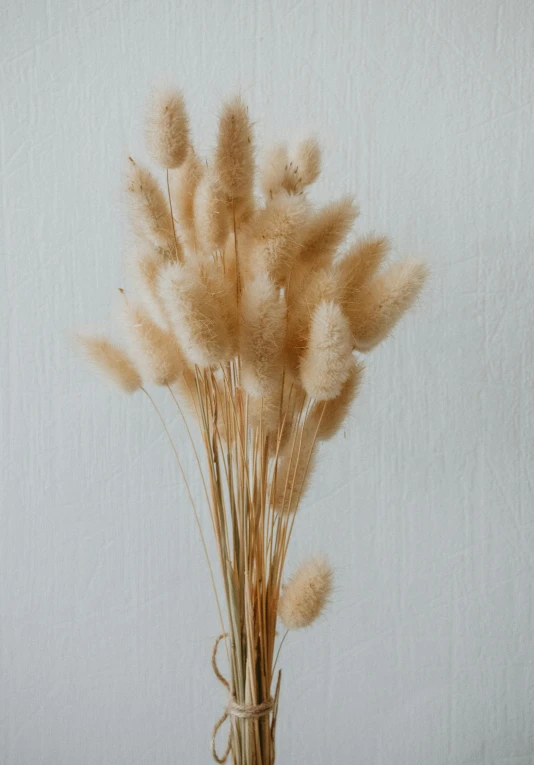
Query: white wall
[[424, 504]]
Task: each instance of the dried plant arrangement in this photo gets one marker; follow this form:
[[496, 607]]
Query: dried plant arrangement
[[243, 305]]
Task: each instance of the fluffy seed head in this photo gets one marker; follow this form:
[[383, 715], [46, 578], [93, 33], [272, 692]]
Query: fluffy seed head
[[306, 289], [210, 213], [110, 361], [262, 330], [378, 306], [308, 161], [234, 157], [167, 128], [144, 269], [273, 170], [327, 417], [327, 361], [360, 264], [149, 212], [305, 596], [199, 308], [183, 183], [155, 350], [327, 229], [277, 232]]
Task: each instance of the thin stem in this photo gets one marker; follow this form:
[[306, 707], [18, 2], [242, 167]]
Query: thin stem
[[178, 250], [279, 649], [203, 539]]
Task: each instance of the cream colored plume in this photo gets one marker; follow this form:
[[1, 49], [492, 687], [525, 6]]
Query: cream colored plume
[[273, 171], [376, 308], [144, 268], [305, 596], [326, 230], [110, 361], [360, 264], [306, 289], [200, 305], [149, 211], [262, 330], [308, 161], [183, 184], [326, 363], [277, 232], [167, 128], [234, 156], [210, 214], [155, 350], [327, 417], [279, 173]]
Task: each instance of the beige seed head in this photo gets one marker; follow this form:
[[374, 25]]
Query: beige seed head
[[183, 183], [155, 350], [326, 363], [211, 215], [234, 156], [360, 264], [377, 307], [273, 170], [327, 417], [277, 232], [308, 161], [149, 211], [198, 307], [144, 268], [327, 229], [306, 289], [305, 596], [167, 128], [110, 361], [262, 330]]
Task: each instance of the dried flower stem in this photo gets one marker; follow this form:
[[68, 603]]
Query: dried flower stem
[[247, 311]]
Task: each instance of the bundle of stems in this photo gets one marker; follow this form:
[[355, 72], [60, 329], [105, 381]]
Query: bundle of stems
[[242, 307]]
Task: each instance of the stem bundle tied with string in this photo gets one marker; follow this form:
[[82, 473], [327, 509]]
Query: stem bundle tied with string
[[243, 308]]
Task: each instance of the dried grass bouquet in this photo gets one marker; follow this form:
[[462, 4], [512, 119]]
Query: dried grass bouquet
[[243, 308]]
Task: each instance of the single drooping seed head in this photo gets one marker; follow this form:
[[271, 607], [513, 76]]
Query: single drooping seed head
[[149, 210], [305, 596], [326, 230], [110, 361], [308, 161], [329, 416], [375, 309], [155, 350]]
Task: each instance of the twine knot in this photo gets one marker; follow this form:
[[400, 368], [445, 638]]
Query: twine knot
[[233, 708]]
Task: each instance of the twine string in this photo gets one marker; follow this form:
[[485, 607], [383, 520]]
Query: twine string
[[233, 708]]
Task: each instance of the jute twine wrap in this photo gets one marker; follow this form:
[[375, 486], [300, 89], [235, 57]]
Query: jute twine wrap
[[233, 708]]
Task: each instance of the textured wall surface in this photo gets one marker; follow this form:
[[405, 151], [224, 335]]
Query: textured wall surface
[[424, 504]]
